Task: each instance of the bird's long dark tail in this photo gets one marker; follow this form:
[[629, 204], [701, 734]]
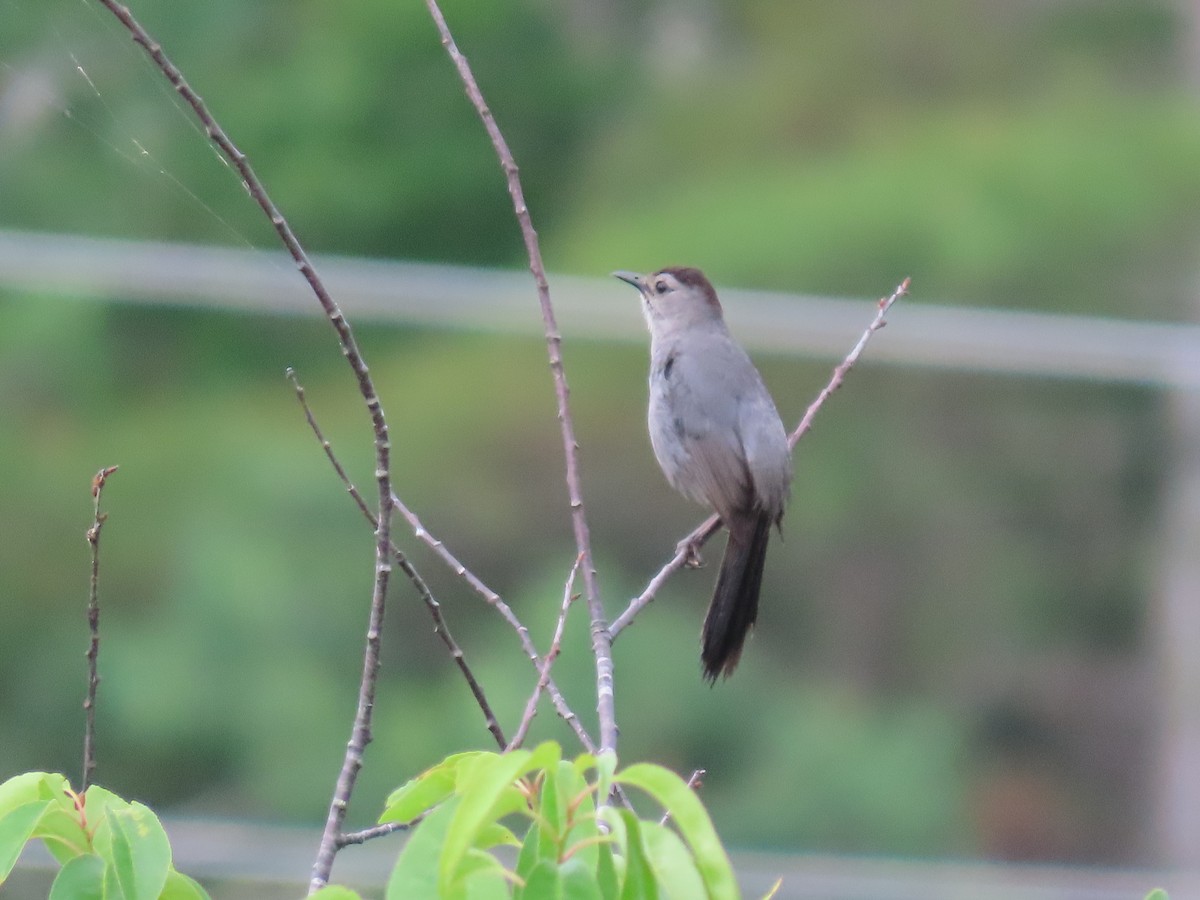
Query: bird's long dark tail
[[734, 605]]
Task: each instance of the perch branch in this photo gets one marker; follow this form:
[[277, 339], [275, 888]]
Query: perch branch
[[706, 529], [93, 616], [601, 640]]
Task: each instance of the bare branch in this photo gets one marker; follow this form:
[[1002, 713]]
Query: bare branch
[[497, 603], [569, 597], [844, 367], [685, 550], [367, 834], [435, 609], [601, 640], [93, 615], [361, 731]]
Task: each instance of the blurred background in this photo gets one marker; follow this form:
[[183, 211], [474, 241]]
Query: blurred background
[[976, 637]]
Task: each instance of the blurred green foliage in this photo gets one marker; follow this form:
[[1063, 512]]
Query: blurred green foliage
[[958, 548]]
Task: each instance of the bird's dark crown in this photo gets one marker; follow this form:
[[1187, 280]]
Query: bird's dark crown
[[692, 277]]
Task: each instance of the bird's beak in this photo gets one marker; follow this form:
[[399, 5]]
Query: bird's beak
[[632, 278]]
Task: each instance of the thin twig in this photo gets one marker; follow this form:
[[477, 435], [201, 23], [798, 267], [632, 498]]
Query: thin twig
[[361, 731], [93, 616], [601, 640], [695, 783], [685, 549], [569, 597], [376, 831], [494, 600], [435, 609], [840, 372]]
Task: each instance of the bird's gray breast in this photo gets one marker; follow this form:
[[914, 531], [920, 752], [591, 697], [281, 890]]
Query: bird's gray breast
[[695, 395]]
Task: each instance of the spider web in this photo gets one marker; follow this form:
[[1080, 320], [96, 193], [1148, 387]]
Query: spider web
[[94, 139]]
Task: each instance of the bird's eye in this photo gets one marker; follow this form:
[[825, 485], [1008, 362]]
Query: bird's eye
[[660, 287]]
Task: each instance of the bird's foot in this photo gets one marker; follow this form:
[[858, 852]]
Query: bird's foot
[[691, 554]]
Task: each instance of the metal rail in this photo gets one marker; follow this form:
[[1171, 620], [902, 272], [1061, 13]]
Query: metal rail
[[950, 337]]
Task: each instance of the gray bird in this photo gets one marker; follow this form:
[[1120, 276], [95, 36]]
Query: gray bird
[[719, 440]]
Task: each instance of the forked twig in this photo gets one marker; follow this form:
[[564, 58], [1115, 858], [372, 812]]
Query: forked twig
[[601, 640], [494, 600], [93, 616], [569, 597], [685, 549], [435, 609], [361, 730]]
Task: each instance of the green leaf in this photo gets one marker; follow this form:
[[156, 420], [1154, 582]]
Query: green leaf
[[553, 811], [578, 881], [416, 871], [581, 841], [98, 800], [480, 791], [81, 878], [487, 794], [529, 856], [542, 883], [640, 883], [673, 863], [30, 786], [180, 887], [427, 790], [545, 755], [140, 852], [606, 872], [495, 835], [60, 830], [479, 867], [1157, 894], [606, 765], [16, 829], [692, 821], [336, 892], [59, 827]]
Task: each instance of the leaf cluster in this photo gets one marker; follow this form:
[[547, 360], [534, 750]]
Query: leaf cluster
[[472, 806], [109, 848]]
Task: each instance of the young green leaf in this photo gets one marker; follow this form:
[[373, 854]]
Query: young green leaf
[[416, 870], [16, 828], [578, 881], [480, 792], [494, 835], [140, 852], [672, 862], [640, 883], [530, 854], [180, 887], [542, 882], [692, 821], [81, 878], [427, 790], [62, 832], [28, 787], [582, 841], [607, 876], [482, 875]]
